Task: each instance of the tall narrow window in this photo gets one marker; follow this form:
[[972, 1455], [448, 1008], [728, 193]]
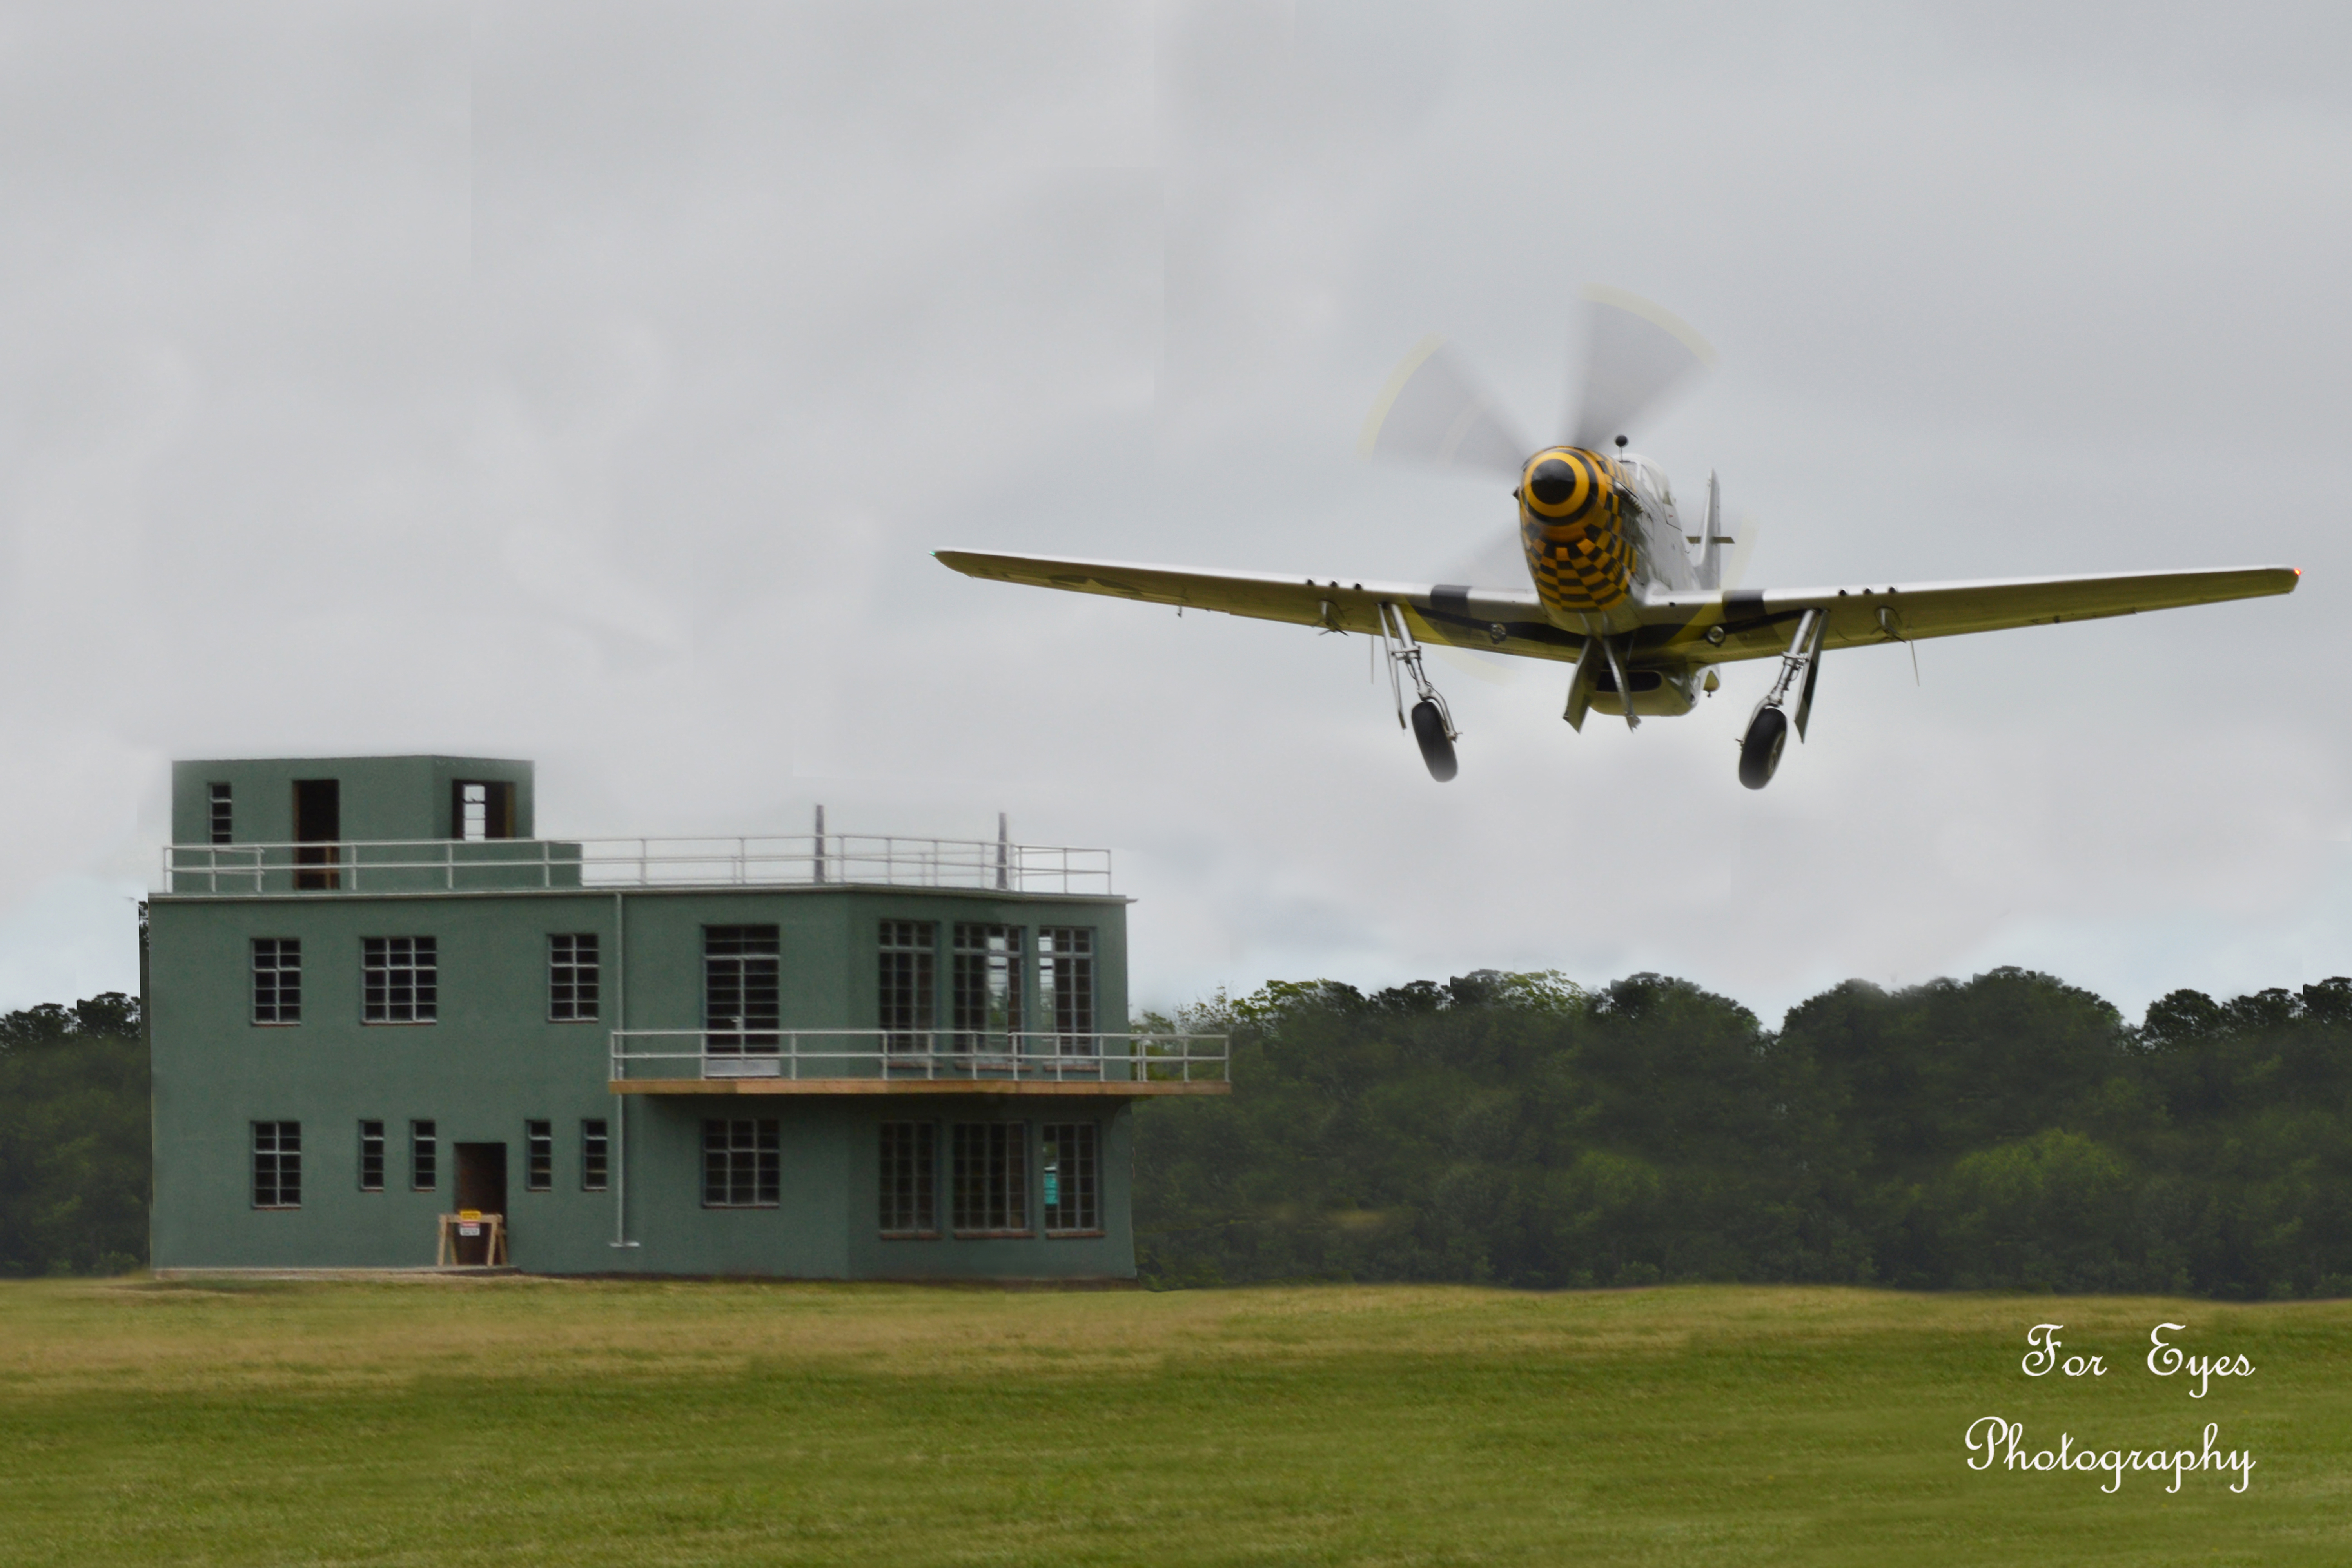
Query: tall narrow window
[[277, 980], [399, 979], [1070, 1167], [909, 1179], [595, 1155], [987, 988], [538, 1156], [740, 1164], [573, 977], [318, 832], [992, 1179], [1066, 987], [277, 1164], [370, 1156], [741, 971], [482, 809], [909, 956], [223, 814], [424, 1156]]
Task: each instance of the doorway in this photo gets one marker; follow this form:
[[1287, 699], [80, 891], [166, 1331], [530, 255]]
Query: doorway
[[318, 827], [481, 1186]]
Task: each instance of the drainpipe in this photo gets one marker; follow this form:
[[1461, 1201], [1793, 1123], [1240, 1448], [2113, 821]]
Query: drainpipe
[[621, 1101]]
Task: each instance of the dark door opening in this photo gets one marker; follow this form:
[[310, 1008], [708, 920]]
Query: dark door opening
[[482, 1187], [318, 821]]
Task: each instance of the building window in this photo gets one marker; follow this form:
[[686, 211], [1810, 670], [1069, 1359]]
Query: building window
[[318, 832], [538, 1166], [424, 1157], [595, 1156], [909, 1179], [740, 1164], [370, 1156], [399, 979], [277, 980], [277, 1164], [572, 977], [223, 814], [987, 982], [482, 809], [1066, 987], [992, 1179], [1071, 1167], [909, 957], [741, 968]]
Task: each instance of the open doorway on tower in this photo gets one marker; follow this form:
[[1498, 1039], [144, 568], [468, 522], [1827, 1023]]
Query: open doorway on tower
[[481, 1186], [317, 825], [482, 810]]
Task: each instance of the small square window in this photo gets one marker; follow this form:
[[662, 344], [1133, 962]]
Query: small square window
[[538, 1144], [399, 979], [741, 1164]]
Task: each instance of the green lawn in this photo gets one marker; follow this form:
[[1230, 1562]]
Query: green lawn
[[640, 1423]]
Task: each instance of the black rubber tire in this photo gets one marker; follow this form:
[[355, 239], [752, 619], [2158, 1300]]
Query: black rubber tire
[[1759, 752], [1429, 728]]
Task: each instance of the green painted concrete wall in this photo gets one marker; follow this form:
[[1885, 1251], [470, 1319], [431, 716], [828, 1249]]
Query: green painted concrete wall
[[493, 1061]]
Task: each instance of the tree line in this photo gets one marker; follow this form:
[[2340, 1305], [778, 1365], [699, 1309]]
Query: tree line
[[2005, 1131]]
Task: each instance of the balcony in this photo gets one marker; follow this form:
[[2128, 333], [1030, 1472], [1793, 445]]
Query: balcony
[[876, 1061], [507, 865]]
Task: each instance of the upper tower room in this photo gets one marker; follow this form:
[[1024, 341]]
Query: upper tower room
[[349, 800]]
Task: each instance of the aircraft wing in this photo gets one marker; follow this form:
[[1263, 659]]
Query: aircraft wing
[[1757, 623], [1455, 614]]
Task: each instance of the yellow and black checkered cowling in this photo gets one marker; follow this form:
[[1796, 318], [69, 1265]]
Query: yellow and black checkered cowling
[[1572, 522]]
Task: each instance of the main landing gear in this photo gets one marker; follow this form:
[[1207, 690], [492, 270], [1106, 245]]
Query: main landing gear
[[1432, 724], [1768, 727]]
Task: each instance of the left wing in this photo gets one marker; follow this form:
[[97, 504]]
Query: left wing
[[1497, 620]]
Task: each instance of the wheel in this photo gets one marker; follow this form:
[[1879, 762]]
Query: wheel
[[1429, 728], [1759, 753]]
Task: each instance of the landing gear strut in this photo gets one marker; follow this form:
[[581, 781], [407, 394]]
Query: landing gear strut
[[1432, 724], [1768, 727]]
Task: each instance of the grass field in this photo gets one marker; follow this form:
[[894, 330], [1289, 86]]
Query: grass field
[[641, 1423]]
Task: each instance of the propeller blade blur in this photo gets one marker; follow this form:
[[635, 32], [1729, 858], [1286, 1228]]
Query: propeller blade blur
[[1636, 355], [1433, 412]]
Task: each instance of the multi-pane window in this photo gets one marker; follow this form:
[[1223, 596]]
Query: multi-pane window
[[991, 1179], [424, 1156], [1066, 987], [739, 1163], [538, 1156], [595, 1155], [739, 976], [277, 1164], [987, 986], [1070, 1167], [909, 1179], [370, 1156], [483, 809], [573, 976], [399, 979], [277, 980], [223, 814], [908, 959]]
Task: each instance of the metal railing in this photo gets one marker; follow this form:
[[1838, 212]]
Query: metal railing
[[730, 1051], [497, 865]]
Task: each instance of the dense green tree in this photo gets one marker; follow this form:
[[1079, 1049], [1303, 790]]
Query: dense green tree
[[74, 1156]]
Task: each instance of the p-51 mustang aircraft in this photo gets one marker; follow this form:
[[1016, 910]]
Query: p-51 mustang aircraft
[[1614, 588]]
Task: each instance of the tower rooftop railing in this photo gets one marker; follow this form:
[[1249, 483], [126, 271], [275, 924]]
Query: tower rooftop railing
[[508, 864]]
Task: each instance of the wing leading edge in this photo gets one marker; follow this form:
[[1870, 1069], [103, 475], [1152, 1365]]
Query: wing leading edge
[[1679, 628]]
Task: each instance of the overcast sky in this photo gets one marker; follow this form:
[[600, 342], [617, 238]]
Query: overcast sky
[[590, 383]]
